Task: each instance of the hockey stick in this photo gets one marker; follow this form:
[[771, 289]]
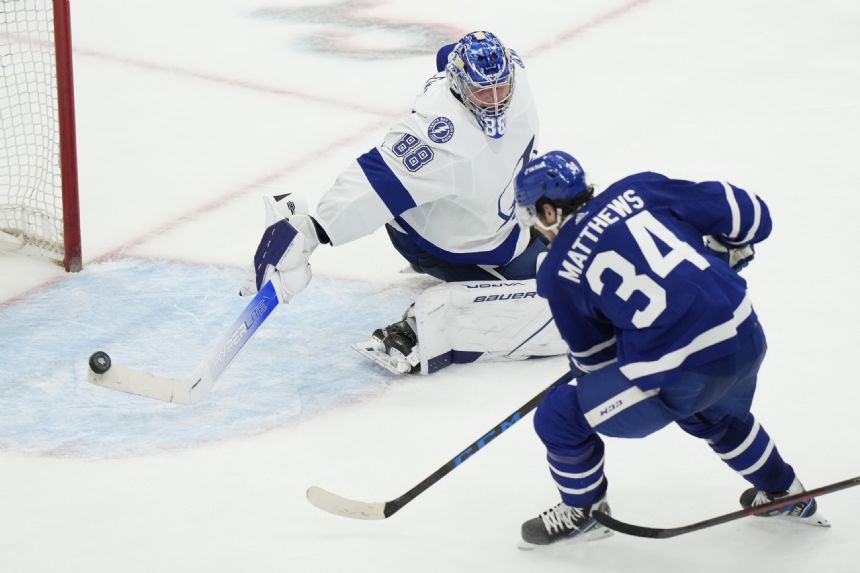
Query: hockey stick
[[658, 533], [196, 387], [332, 503]]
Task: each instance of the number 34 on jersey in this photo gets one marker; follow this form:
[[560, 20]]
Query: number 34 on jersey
[[645, 230]]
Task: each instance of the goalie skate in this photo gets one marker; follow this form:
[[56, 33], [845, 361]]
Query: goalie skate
[[394, 347], [394, 364]]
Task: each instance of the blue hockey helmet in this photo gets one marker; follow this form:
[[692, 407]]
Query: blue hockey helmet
[[480, 75], [557, 178]]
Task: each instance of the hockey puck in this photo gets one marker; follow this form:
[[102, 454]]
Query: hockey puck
[[100, 362]]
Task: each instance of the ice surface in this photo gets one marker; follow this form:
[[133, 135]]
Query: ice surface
[[298, 365]]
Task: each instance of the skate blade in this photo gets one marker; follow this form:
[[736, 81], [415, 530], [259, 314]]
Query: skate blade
[[366, 349], [596, 534], [816, 520]]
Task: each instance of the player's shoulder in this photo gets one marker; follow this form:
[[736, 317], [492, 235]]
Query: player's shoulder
[[637, 180], [647, 186], [439, 120]]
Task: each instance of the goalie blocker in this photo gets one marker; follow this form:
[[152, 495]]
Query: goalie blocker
[[471, 321]]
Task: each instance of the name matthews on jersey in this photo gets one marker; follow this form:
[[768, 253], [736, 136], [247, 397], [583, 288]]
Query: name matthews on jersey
[[577, 256]]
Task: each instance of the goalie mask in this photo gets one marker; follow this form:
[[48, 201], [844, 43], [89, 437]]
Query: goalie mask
[[480, 75]]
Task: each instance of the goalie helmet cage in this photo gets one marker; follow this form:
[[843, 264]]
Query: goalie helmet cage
[[38, 159]]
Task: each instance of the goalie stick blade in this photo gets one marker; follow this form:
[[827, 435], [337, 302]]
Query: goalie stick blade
[[337, 505], [143, 383], [197, 386], [664, 533]]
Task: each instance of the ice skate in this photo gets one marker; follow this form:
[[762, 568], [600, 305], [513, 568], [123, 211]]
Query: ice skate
[[803, 511], [394, 347], [563, 523]]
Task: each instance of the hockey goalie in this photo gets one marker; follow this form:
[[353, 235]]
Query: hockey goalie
[[441, 183]]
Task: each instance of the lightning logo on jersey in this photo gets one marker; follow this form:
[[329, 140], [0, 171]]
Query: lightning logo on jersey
[[441, 130]]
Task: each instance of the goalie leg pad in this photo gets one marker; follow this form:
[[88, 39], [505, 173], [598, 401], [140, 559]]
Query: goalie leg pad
[[484, 320]]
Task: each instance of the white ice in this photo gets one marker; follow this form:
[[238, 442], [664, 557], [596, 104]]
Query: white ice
[[189, 111]]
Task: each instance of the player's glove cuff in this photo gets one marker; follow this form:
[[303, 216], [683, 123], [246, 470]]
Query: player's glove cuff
[[736, 257]]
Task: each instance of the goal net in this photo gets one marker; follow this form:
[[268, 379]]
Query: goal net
[[38, 168]]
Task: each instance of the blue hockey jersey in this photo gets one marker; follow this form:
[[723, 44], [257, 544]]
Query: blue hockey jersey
[[629, 280]]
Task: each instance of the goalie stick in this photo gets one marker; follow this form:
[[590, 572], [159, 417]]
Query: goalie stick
[[665, 533], [197, 386], [345, 507]]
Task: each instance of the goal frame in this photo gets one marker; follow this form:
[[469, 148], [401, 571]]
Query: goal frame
[[72, 259]]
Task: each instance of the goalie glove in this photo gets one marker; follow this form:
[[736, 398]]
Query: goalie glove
[[735, 257], [284, 250]]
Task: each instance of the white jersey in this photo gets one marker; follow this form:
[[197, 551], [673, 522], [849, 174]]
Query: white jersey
[[439, 178]]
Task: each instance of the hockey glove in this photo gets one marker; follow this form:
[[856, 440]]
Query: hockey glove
[[284, 250], [736, 257]]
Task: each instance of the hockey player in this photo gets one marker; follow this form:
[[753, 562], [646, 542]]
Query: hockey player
[[441, 183], [659, 327]]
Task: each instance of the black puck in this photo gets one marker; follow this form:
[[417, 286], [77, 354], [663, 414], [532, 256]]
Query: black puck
[[100, 362]]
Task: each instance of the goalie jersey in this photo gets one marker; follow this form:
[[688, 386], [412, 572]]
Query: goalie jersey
[[629, 279], [440, 179]]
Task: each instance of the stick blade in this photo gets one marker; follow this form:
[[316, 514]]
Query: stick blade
[[143, 383], [635, 530], [337, 505]]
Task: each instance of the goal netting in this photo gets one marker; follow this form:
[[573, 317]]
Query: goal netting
[[38, 171]]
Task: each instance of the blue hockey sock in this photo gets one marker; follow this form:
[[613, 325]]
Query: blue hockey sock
[[748, 449], [578, 475], [574, 450]]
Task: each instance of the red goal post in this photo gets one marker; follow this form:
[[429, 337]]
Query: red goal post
[[39, 205]]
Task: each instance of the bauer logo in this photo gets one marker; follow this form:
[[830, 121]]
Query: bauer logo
[[441, 130], [506, 296]]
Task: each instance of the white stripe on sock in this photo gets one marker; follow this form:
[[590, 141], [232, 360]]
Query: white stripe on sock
[[744, 445], [572, 491], [761, 461], [584, 474]]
